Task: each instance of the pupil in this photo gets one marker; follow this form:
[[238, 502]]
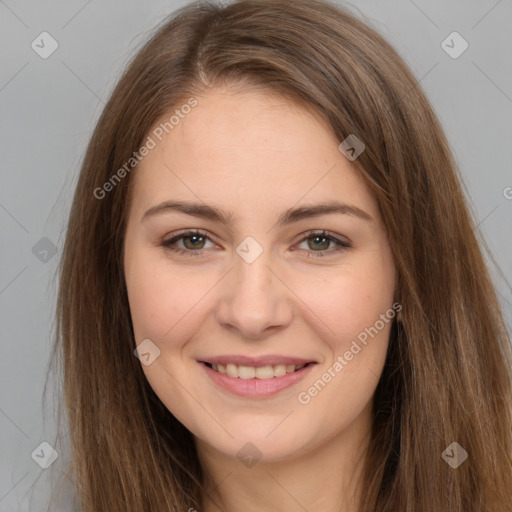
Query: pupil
[[194, 239], [317, 238]]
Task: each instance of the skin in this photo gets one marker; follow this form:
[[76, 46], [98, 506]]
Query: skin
[[256, 155]]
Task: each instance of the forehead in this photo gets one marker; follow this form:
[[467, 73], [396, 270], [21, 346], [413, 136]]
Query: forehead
[[248, 149]]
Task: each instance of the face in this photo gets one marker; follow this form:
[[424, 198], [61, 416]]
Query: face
[[235, 294]]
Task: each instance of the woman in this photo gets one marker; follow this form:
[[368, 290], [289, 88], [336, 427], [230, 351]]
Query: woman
[[271, 294]]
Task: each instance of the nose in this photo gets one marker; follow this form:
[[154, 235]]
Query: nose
[[254, 301]]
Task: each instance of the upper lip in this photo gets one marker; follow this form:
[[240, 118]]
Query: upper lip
[[270, 360]]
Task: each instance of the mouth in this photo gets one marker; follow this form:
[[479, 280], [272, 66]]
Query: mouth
[[265, 372], [256, 378]]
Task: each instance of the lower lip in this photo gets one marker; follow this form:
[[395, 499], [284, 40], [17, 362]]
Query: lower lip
[[257, 387]]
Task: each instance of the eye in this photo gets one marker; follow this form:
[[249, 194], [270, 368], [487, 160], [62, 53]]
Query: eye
[[194, 241], [320, 242]]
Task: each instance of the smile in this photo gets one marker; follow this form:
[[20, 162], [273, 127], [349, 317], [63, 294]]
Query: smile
[[259, 381], [252, 372]]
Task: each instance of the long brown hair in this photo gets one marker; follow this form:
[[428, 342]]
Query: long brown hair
[[448, 372]]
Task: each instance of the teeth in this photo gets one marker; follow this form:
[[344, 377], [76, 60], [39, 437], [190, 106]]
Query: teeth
[[246, 372], [280, 370], [265, 372], [260, 372], [232, 370]]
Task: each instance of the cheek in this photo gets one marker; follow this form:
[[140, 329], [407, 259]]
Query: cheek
[[349, 301], [149, 296], [162, 296], [355, 307]]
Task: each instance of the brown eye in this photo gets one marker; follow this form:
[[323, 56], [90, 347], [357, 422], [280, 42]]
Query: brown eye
[[192, 243], [195, 241], [319, 243]]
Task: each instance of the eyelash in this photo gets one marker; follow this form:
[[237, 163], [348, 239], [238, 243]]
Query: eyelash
[[341, 245]]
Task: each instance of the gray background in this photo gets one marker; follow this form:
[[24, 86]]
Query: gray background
[[49, 108]]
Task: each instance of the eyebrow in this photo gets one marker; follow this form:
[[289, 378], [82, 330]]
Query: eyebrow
[[289, 216]]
